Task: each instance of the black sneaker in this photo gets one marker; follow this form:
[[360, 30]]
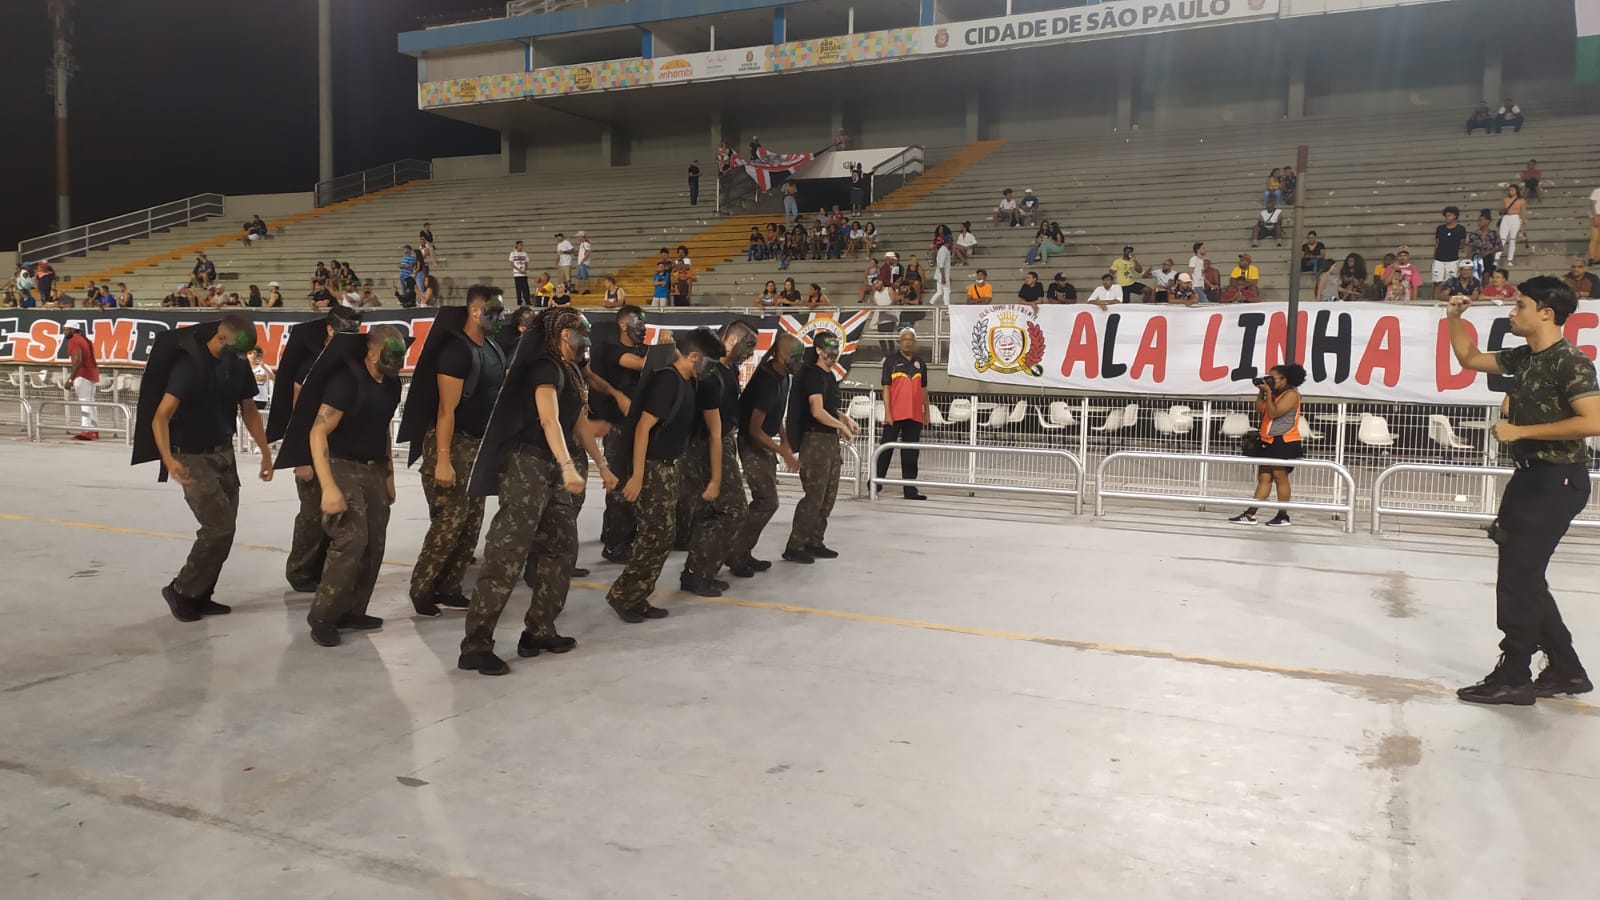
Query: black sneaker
[[614, 554], [916, 495], [529, 646], [799, 556], [456, 601], [701, 587], [359, 622], [210, 607], [184, 609], [325, 633], [721, 585], [634, 617], [820, 551], [760, 565], [1507, 684], [306, 586], [1243, 519], [425, 607], [742, 570], [1278, 520], [580, 572], [1556, 680], [484, 662]]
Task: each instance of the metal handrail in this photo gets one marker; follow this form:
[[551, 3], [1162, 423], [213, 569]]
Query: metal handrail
[[127, 417], [904, 158], [371, 180], [1347, 508], [26, 412], [539, 7], [80, 239], [1379, 510], [1076, 493]]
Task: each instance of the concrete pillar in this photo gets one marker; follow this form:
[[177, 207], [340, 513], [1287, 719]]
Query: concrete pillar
[[836, 120], [974, 115], [614, 145], [513, 152], [1297, 86], [1493, 74], [324, 90], [1124, 120]]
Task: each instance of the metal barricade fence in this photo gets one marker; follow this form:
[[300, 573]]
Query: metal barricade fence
[[1070, 483], [1476, 497], [39, 424], [1107, 488]]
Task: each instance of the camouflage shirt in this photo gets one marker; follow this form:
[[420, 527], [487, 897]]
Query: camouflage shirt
[[1545, 385]]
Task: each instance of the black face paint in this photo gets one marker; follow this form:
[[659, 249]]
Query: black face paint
[[492, 318], [392, 357], [635, 329], [703, 366]]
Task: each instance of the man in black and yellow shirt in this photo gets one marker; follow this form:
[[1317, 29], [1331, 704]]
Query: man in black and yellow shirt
[[1554, 408]]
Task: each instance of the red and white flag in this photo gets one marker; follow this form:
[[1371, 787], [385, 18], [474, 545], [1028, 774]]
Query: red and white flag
[[763, 169]]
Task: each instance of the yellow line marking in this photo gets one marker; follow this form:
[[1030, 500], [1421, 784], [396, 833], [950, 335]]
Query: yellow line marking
[[1383, 688]]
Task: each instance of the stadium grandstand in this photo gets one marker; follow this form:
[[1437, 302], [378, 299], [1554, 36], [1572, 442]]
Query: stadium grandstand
[[1068, 672]]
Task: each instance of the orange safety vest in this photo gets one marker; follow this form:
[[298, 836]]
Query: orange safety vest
[[1290, 436]]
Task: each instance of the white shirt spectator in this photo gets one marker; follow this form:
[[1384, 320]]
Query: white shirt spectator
[[883, 297], [351, 299], [519, 264], [564, 253], [967, 239], [1008, 204], [1164, 280], [584, 250], [1103, 294], [263, 383], [941, 262], [1197, 268], [1271, 216]]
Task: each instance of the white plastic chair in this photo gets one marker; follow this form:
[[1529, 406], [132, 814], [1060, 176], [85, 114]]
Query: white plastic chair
[[1130, 415], [1112, 422], [936, 418], [961, 410], [1307, 432], [1061, 414], [1163, 420], [860, 407], [1441, 432], [1374, 431], [1182, 419], [1019, 412], [1235, 424], [1046, 422], [998, 417]]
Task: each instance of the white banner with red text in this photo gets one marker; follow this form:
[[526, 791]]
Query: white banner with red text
[[1351, 351]]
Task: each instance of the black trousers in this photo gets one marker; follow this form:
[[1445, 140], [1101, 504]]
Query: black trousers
[[524, 296], [908, 431], [694, 192], [1536, 509]]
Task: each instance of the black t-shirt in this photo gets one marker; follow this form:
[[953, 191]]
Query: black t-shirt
[[811, 381], [1061, 293], [305, 370], [1449, 242], [366, 408], [791, 296], [208, 400], [707, 397], [767, 391], [694, 171], [1030, 293], [607, 364], [727, 396], [671, 434], [472, 413], [569, 404]]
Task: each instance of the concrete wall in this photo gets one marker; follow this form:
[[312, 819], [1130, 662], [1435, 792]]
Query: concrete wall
[[267, 206], [494, 59], [459, 168]]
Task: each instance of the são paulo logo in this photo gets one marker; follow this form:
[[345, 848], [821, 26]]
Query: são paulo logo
[[1006, 341]]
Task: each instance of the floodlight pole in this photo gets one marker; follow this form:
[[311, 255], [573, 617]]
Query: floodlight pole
[[61, 65], [324, 90]]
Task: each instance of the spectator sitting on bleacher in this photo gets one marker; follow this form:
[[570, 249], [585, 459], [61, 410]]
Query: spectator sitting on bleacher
[[319, 276], [1030, 207], [350, 297], [543, 290], [889, 271], [1008, 210], [965, 244], [255, 230], [1107, 294], [1060, 290], [1047, 240], [1463, 283], [1031, 294], [1182, 291], [215, 297], [856, 239], [1290, 182], [106, 300], [1582, 281], [867, 280], [25, 285], [980, 290], [1124, 268], [274, 295], [769, 295], [1481, 118], [1244, 282], [323, 298], [790, 295], [870, 237], [1314, 254], [757, 249], [563, 294], [231, 299], [1268, 224], [912, 277], [1274, 191], [612, 297], [253, 298], [1349, 283], [1509, 114], [1164, 278], [815, 297], [1530, 177], [1404, 270], [204, 273], [1499, 286], [8, 300], [430, 294], [369, 300], [124, 296], [1210, 282]]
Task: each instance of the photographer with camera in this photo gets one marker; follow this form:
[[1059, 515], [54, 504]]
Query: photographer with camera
[[1278, 402]]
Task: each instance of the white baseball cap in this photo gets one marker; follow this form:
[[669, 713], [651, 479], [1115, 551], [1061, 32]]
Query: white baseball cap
[[273, 284]]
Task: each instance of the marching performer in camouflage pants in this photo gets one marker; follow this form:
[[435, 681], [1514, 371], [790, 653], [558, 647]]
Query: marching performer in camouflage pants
[[543, 401], [618, 364], [814, 418], [717, 517], [762, 441], [659, 425], [470, 369], [308, 544]]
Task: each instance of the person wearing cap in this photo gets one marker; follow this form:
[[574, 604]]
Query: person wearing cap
[[193, 429], [905, 405], [1060, 290], [1030, 208], [1123, 269], [1182, 291], [1463, 283], [85, 377], [585, 255], [815, 424], [1244, 282]]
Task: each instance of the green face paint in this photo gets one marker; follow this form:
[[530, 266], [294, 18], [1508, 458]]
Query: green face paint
[[392, 356], [493, 316], [242, 343]]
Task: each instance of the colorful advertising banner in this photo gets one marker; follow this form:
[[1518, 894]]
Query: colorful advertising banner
[[1351, 351], [124, 337], [1113, 18], [716, 64]]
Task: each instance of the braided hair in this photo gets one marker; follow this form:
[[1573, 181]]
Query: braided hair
[[546, 328]]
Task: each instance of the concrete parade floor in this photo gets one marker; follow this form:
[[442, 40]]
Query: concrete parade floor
[[961, 706]]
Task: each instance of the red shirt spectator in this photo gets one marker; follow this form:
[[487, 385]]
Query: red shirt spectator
[[79, 348]]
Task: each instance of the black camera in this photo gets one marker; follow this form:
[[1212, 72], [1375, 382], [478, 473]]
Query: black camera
[[1261, 382]]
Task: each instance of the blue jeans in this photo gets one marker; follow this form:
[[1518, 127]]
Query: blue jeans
[[791, 210], [1274, 196]]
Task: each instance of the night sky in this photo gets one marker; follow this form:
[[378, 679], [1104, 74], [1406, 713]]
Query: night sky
[[180, 97]]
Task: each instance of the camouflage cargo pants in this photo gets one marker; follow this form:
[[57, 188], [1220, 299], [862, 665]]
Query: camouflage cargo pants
[[527, 483], [714, 529], [618, 526], [308, 546], [454, 520], [213, 496], [694, 473], [557, 538], [820, 462], [356, 539], [655, 511], [761, 473]]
